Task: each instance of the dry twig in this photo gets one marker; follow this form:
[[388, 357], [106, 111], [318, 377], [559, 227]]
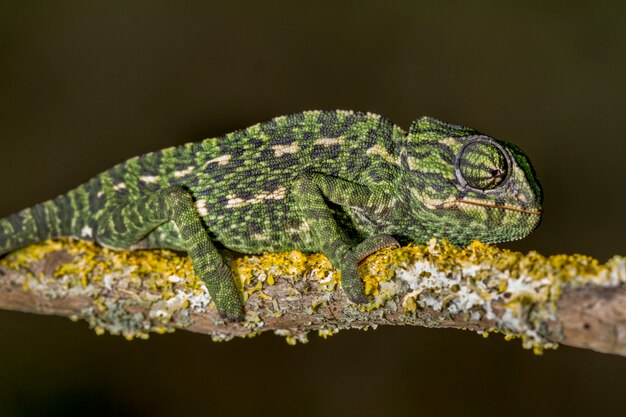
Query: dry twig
[[545, 301]]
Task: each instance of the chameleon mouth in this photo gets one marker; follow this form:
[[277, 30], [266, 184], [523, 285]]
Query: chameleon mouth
[[491, 205]]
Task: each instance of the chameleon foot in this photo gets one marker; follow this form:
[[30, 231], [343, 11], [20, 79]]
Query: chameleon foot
[[228, 299], [351, 282], [372, 245]]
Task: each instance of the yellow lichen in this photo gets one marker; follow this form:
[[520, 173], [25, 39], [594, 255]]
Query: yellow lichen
[[325, 333], [24, 257]]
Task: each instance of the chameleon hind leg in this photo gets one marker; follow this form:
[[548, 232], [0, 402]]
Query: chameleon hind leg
[[310, 191], [125, 225]]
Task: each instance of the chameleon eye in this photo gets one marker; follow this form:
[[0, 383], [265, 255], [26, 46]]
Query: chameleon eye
[[482, 164]]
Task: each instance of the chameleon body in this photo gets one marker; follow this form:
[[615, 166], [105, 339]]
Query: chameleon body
[[342, 183]]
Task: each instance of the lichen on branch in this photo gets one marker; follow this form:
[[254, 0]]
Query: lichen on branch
[[545, 301]]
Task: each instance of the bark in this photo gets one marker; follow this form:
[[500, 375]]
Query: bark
[[545, 301]]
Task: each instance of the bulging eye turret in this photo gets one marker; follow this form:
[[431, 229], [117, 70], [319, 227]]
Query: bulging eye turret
[[482, 164]]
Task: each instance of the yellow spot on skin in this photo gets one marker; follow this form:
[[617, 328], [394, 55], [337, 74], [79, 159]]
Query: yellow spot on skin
[[220, 160], [184, 172], [474, 203], [280, 150], [234, 201], [201, 207], [431, 203], [149, 179], [328, 141], [382, 152], [303, 227], [86, 232], [451, 142]]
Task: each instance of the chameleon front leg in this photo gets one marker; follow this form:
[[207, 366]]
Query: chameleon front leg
[[310, 189], [125, 225]]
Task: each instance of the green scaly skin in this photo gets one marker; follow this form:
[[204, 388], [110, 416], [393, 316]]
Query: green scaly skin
[[337, 182]]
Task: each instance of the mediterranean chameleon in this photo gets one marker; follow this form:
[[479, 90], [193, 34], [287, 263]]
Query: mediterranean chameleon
[[342, 183]]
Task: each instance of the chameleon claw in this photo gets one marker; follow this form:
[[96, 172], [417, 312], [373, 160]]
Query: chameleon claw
[[358, 297], [353, 286], [232, 313], [232, 318]]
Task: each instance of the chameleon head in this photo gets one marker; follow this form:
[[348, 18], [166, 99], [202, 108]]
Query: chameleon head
[[464, 185]]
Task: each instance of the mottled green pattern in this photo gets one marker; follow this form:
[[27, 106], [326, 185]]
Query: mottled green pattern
[[338, 182]]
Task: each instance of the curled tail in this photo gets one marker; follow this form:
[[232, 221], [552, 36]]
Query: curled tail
[[47, 220]]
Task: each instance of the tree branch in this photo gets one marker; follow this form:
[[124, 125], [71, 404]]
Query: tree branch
[[545, 301]]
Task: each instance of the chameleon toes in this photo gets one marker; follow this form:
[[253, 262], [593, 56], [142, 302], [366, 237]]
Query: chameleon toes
[[358, 297], [233, 314], [353, 286]]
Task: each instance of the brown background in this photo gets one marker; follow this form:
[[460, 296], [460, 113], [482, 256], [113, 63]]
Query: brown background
[[84, 86]]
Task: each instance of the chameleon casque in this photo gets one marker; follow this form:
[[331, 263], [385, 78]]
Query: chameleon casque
[[342, 183]]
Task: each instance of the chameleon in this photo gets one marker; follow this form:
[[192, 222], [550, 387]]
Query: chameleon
[[343, 183]]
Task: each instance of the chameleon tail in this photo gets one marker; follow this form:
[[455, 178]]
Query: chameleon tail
[[42, 221]]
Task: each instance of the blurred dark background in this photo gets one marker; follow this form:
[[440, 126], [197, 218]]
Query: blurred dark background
[[84, 85]]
